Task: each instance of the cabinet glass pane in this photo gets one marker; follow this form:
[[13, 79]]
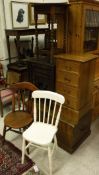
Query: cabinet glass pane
[[91, 38], [91, 30]]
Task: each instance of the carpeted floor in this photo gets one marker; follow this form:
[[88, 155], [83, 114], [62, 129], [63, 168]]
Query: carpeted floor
[[10, 159]]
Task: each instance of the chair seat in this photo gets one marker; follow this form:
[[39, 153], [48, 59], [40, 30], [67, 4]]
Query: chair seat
[[18, 119], [40, 133]]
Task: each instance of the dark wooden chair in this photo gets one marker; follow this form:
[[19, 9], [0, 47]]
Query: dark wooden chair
[[25, 48], [2, 78], [21, 115]]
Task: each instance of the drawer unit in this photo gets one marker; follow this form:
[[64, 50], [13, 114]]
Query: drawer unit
[[75, 102], [68, 90], [68, 66], [69, 78], [74, 79]]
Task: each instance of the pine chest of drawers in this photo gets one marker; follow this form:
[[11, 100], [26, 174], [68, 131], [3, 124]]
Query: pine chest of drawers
[[74, 79]]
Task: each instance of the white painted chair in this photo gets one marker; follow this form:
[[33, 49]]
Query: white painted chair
[[41, 133]]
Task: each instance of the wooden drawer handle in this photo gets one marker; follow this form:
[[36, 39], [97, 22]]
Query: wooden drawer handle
[[67, 92], [68, 67], [66, 79]]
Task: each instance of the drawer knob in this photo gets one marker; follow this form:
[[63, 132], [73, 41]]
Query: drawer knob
[[66, 79], [68, 68], [67, 91]]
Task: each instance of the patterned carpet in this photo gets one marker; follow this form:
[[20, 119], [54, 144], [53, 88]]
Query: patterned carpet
[[10, 160]]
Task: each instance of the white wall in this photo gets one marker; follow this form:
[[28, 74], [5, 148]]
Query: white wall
[[3, 48], [7, 6], [6, 23]]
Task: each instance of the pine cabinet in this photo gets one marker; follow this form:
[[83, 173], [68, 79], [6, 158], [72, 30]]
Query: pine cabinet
[[83, 37], [74, 79]]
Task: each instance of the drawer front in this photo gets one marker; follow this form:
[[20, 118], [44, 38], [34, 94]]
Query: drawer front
[[74, 98], [71, 116], [68, 78], [72, 102], [67, 90], [72, 66], [77, 93]]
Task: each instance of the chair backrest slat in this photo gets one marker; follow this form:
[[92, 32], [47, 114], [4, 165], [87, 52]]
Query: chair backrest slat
[[54, 112], [23, 101], [35, 109], [44, 111], [22, 96], [19, 100], [49, 110], [58, 115], [39, 109]]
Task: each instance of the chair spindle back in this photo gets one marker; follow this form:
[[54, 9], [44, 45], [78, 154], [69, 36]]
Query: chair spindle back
[[47, 106]]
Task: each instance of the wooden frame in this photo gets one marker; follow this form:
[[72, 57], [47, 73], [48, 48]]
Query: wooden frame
[[20, 17], [41, 17]]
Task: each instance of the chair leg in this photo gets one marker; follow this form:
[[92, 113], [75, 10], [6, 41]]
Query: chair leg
[[54, 145], [4, 133], [23, 150], [26, 142], [50, 160], [1, 108], [55, 140], [27, 148]]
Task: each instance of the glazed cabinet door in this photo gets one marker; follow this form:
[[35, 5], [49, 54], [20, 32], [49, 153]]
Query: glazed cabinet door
[[83, 24]]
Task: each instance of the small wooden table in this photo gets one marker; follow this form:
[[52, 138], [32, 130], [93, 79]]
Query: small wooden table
[[20, 32]]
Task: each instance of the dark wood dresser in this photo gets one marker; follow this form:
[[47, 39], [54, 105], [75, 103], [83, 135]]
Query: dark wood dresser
[[42, 74]]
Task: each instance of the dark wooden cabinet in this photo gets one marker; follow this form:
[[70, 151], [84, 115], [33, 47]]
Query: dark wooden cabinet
[[42, 74]]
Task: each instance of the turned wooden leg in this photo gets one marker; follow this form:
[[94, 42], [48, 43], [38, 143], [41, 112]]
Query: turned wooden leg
[[1, 108], [4, 133]]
